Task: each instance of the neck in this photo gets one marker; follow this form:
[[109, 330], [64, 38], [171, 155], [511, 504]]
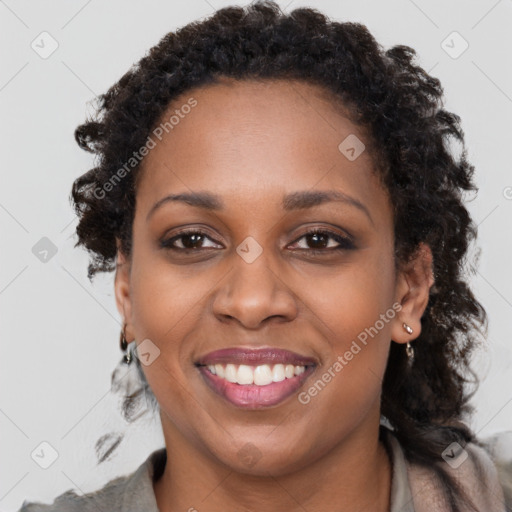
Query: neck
[[354, 475]]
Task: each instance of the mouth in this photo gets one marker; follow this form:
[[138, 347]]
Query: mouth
[[254, 379]]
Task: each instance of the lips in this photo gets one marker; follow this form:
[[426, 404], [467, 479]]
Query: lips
[[255, 357], [253, 396], [227, 372]]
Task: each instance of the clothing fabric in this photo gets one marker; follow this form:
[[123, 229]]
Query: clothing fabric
[[483, 475]]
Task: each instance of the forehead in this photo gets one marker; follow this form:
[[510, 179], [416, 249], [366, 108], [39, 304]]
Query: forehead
[[249, 138]]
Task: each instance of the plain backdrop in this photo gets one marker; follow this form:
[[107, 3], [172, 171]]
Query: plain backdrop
[[59, 332]]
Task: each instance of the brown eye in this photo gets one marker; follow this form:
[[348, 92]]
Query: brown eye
[[322, 241], [190, 240]]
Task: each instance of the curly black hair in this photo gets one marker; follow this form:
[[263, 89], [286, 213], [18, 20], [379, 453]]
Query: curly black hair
[[410, 135]]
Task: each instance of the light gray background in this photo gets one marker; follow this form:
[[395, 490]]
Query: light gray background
[[60, 333]]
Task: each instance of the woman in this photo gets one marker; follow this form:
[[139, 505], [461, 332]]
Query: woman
[[285, 219]]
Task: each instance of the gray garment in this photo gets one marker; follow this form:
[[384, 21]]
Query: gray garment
[[134, 492]]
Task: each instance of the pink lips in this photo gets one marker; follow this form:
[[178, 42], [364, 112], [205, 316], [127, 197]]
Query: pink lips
[[251, 396]]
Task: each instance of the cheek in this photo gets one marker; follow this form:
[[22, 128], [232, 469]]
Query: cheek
[[352, 300], [357, 309], [354, 310], [165, 308], [165, 298]]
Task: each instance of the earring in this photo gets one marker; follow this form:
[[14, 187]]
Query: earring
[[408, 328], [408, 349], [124, 345], [410, 352]]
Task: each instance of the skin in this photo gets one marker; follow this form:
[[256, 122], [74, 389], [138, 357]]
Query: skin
[[251, 143]]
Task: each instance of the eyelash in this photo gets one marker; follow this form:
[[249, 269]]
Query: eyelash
[[346, 243]]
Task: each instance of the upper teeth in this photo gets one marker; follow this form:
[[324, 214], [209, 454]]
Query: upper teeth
[[259, 375]]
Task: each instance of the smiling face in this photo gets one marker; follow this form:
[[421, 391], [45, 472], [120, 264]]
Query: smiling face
[[248, 274]]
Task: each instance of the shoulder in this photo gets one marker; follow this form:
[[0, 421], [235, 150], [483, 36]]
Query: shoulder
[[133, 491], [499, 449], [106, 498], [483, 475], [482, 470]]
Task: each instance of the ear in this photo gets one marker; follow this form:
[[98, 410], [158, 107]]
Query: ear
[[413, 285], [122, 291]]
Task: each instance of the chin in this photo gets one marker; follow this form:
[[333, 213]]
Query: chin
[[251, 460]]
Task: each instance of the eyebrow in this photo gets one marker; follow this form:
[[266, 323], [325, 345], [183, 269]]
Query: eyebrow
[[300, 200]]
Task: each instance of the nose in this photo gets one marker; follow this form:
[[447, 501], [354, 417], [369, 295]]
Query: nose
[[253, 294]]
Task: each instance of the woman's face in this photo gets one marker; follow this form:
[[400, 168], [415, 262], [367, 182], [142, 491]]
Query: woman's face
[[251, 277]]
